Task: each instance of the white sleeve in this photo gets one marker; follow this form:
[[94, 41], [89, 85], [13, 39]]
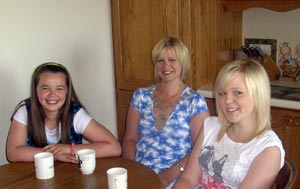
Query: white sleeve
[[211, 129], [269, 139], [81, 120], [21, 115]]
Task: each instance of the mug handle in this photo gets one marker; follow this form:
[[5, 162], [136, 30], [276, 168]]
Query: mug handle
[[79, 162]]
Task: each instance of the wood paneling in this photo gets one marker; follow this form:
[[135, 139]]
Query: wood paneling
[[286, 123], [214, 32], [137, 27], [211, 106], [275, 5], [123, 99]]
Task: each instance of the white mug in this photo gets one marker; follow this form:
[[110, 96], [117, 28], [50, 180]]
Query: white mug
[[86, 160], [44, 165], [117, 178]]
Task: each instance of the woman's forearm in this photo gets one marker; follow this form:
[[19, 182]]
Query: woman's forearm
[[183, 183], [129, 150]]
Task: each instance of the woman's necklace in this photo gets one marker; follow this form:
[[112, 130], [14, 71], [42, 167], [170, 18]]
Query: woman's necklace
[[161, 119]]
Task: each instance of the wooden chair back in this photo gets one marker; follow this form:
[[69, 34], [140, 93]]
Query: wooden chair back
[[286, 176]]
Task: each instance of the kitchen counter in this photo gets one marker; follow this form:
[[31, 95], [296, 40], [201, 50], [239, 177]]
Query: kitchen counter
[[207, 91]]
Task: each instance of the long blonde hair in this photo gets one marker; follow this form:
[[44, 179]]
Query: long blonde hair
[[258, 87]]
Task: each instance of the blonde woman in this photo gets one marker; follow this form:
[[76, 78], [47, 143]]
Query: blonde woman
[[237, 149], [164, 119]]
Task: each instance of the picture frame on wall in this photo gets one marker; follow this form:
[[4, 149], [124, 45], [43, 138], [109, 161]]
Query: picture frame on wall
[[268, 46]]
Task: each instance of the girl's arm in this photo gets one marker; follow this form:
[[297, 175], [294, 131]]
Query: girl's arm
[[16, 149], [131, 134], [263, 170], [101, 140]]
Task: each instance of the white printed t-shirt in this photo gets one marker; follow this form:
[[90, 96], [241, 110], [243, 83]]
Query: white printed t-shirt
[[225, 164]]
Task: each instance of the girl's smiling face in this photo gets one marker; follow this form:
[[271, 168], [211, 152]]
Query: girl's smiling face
[[52, 91], [235, 102]]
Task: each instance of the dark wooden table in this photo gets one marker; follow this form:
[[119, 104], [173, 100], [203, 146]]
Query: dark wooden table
[[68, 176]]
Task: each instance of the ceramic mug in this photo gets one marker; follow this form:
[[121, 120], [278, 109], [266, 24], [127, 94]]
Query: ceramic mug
[[86, 160], [117, 178], [44, 165]]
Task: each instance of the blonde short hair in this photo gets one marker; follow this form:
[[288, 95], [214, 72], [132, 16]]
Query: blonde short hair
[[258, 87], [180, 50]]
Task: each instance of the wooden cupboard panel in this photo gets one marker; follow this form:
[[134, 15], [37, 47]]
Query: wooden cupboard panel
[[286, 123], [137, 27], [275, 5], [211, 106], [215, 31], [123, 101]]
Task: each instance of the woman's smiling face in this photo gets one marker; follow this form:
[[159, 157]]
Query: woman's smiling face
[[52, 91], [167, 66]]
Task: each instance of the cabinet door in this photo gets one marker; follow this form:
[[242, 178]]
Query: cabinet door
[[137, 27], [286, 123], [215, 32], [123, 99], [211, 104]]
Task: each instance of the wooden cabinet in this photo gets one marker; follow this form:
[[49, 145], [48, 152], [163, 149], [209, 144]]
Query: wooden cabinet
[[275, 5], [206, 27], [286, 123], [123, 99], [211, 106]]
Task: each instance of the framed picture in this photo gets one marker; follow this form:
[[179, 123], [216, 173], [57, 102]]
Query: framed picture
[[268, 46]]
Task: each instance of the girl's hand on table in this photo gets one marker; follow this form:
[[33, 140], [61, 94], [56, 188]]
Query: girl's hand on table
[[66, 158], [61, 152], [58, 149]]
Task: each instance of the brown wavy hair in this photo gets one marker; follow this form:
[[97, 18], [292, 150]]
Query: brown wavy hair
[[36, 114]]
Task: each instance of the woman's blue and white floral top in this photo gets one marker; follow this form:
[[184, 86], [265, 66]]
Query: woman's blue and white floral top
[[161, 149]]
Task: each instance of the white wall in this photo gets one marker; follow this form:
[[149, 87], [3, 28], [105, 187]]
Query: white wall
[[76, 33], [263, 23], [266, 24]]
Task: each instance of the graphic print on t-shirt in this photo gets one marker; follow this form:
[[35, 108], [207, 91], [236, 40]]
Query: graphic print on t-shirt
[[212, 169]]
